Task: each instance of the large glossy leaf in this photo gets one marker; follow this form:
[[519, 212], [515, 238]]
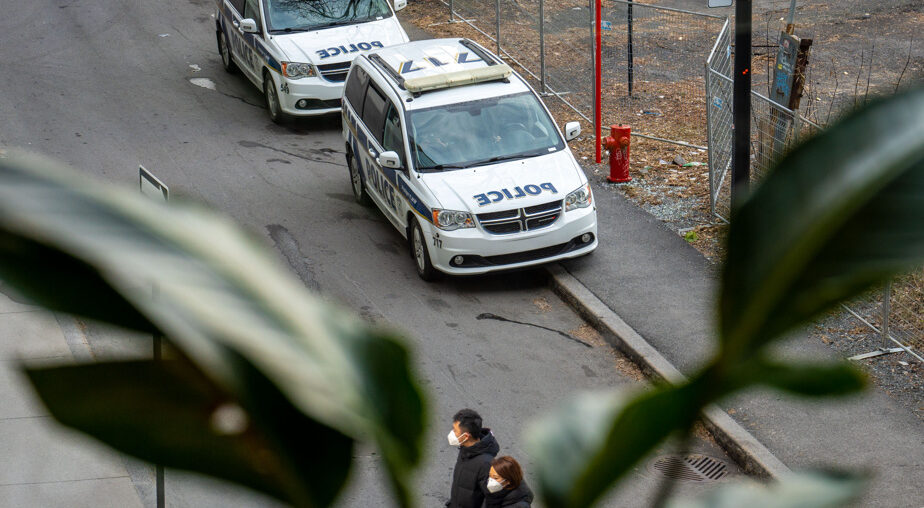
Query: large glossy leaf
[[63, 283], [221, 295], [837, 215], [801, 490], [815, 380], [592, 442], [170, 414]]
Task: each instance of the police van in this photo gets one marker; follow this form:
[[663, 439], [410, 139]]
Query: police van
[[299, 51], [464, 159]]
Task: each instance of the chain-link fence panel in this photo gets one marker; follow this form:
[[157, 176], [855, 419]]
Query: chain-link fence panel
[[653, 69]]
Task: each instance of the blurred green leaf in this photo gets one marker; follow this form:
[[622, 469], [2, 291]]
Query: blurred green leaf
[[801, 490], [168, 413], [815, 380], [45, 275], [219, 296], [584, 447], [837, 215]]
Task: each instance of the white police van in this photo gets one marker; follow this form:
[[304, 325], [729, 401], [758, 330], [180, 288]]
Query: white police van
[[299, 51], [464, 160]]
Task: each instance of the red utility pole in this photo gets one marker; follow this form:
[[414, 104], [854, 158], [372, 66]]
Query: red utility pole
[[598, 79]]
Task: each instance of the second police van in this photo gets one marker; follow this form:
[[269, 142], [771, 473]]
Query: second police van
[[298, 52], [463, 158]]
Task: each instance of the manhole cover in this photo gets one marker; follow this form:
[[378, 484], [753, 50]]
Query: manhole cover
[[691, 468]]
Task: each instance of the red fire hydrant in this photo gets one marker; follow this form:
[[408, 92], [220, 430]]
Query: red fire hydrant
[[618, 145]]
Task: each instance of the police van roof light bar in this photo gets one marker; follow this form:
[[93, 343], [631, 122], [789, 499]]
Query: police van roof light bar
[[457, 78]]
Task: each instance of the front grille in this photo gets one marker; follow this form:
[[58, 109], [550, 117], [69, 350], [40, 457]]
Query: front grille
[[520, 219], [335, 72]]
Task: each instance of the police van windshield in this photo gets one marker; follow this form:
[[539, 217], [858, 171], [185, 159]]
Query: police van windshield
[[481, 132], [305, 15]]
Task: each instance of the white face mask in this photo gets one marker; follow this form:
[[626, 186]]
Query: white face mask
[[453, 440], [494, 485]]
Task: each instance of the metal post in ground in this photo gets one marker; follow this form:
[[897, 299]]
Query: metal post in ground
[[629, 47], [497, 25], [791, 22], [451, 13], [886, 298], [741, 154], [541, 46], [598, 78]]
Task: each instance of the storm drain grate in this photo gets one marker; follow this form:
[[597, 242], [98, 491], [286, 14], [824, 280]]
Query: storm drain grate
[[691, 468]]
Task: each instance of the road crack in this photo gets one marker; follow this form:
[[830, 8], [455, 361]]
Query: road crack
[[488, 315]]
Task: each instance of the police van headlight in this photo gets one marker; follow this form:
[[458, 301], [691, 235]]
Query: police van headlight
[[295, 70], [579, 198], [451, 219]]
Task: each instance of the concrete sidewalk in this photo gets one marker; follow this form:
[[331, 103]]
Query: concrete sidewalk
[[665, 290], [42, 463]]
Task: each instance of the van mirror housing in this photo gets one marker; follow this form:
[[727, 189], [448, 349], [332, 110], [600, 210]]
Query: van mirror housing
[[389, 160], [249, 26], [572, 130], [400, 4]]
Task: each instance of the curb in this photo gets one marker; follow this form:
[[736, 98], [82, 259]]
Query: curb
[[744, 448]]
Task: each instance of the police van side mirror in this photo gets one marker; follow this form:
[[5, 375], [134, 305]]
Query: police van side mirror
[[572, 130], [389, 160], [400, 4], [248, 26]]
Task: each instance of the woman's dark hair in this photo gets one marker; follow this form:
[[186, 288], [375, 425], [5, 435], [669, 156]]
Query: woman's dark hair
[[469, 421], [509, 469]]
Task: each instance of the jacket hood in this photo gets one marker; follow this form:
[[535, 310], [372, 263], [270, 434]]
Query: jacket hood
[[487, 445], [342, 43], [508, 185]]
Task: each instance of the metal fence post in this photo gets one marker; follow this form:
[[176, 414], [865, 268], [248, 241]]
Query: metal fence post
[[629, 48], [541, 46], [886, 297], [497, 25], [710, 138], [451, 13]]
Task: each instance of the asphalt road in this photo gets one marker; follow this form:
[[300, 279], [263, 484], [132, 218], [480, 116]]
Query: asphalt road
[[106, 86]]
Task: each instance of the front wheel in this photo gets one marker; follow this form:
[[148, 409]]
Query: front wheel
[[356, 181], [421, 254], [272, 100], [224, 50]]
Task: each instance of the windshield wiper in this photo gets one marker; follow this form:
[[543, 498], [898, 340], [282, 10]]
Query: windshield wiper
[[440, 167], [500, 158]]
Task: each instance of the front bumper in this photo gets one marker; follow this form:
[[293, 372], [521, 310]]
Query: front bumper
[[322, 96], [484, 252]]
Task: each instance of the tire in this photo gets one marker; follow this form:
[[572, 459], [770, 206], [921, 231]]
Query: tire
[[357, 182], [224, 51], [420, 254], [271, 96]]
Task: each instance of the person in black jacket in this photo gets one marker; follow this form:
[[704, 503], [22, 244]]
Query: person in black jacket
[[506, 486], [477, 447]]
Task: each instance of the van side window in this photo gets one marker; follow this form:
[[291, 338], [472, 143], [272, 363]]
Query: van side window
[[252, 11], [355, 87], [238, 5], [392, 139], [374, 112]]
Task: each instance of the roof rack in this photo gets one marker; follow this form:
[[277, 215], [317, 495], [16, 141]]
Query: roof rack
[[377, 59], [478, 50], [458, 78]]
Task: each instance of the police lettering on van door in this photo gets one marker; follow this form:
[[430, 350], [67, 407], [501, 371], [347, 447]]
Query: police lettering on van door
[[518, 192], [352, 48]]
